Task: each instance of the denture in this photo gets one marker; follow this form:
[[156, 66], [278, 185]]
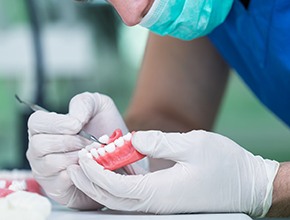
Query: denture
[[116, 153], [13, 181]]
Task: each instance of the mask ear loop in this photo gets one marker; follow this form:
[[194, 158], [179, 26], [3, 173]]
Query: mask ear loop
[[153, 14]]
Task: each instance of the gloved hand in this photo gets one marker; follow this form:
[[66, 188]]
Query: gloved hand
[[211, 174], [54, 144]]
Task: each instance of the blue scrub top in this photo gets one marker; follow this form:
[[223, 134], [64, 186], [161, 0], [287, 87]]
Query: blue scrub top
[[256, 43]]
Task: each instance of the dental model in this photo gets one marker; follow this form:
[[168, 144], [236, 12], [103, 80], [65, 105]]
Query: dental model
[[19, 197], [29, 185], [16, 180], [117, 153]]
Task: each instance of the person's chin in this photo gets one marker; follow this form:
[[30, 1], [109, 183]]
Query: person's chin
[[132, 11]]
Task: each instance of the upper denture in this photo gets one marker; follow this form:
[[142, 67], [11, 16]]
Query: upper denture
[[117, 153]]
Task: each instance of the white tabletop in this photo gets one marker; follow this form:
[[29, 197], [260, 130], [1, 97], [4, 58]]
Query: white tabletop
[[64, 214]]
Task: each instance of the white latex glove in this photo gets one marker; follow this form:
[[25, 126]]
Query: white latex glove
[[54, 144], [211, 174]]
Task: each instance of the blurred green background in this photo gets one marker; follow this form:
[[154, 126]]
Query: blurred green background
[[87, 48]]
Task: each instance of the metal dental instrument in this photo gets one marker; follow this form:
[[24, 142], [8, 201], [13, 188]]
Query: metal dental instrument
[[35, 107]]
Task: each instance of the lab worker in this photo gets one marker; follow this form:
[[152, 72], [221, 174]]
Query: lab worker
[[191, 47]]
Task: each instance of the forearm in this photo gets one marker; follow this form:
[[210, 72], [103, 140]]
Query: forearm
[[281, 193], [155, 121], [180, 86]]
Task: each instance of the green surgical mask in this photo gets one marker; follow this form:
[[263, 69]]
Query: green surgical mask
[[186, 19]]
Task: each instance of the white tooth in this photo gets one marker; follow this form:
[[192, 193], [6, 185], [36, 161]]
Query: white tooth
[[82, 153], [92, 146], [101, 151], [2, 184], [89, 155], [104, 139], [97, 145], [94, 152], [89, 147], [110, 147], [119, 142], [17, 185], [128, 137]]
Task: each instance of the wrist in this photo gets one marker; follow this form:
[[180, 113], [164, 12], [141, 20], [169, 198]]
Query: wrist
[[281, 193]]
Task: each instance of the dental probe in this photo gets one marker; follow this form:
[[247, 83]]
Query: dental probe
[[35, 107]]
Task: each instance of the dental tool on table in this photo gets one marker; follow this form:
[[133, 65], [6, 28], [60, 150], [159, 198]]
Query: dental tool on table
[[35, 107]]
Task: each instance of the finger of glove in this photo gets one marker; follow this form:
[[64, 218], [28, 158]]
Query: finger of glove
[[127, 187], [79, 200], [100, 195], [138, 167], [99, 110], [156, 144], [56, 186], [83, 107], [52, 123], [44, 144], [61, 189], [52, 164]]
